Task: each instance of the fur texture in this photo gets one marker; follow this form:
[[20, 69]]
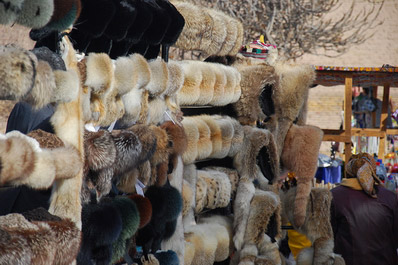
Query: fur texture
[[231, 25], [66, 86], [233, 177], [159, 77], [212, 189], [175, 79], [239, 39], [237, 89], [189, 252], [302, 142], [215, 134], [219, 31], [156, 111], [190, 91], [227, 132], [207, 84], [9, 11], [223, 188], [192, 133], [201, 196], [187, 196], [160, 158], [229, 89], [219, 86], [46, 139], [205, 243], [190, 178], [36, 14], [17, 72], [237, 139], [144, 207], [253, 80], [204, 142]]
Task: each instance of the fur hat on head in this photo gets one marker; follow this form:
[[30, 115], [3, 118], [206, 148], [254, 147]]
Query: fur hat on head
[[9, 11], [192, 133], [253, 80], [132, 75], [190, 91], [300, 155], [227, 133], [35, 14], [25, 163]]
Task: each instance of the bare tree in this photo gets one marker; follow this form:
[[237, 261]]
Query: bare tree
[[303, 26]]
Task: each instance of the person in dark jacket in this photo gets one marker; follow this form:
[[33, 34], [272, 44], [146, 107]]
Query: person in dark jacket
[[364, 216]]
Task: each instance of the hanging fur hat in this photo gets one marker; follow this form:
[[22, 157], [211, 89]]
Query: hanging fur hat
[[223, 188], [207, 85], [190, 91], [253, 80], [232, 174], [300, 155], [204, 145], [211, 192], [160, 23], [35, 13], [239, 39], [204, 241], [218, 32], [65, 14], [132, 74], [148, 140], [9, 11], [257, 158], [160, 159], [46, 139], [192, 133], [316, 226], [200, 192], [37, 238], [215, 134], [159, 78], [144, 207], [101, 227], [227, 133], [231, 25], [237, 138], [219, 87], [25, 163], [122, 20]]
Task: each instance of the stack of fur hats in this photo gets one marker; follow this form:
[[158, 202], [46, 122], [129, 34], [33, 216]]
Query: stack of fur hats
[[209, 84], [24, 77], [37, 237], [55, 14], [122, 27], [209, 30]]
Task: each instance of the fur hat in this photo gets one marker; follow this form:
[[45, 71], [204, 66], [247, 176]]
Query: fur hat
[[237, 89], [231, 25], [207, 85], [189, 252], [122, 20], [316, 226], [37, 238], [200, 192], [148, 140], [46, 139], [215, 134], [159, 160], [223, 188], [177, 141], [25, 163], [237, 139], [160, 23], [176, 25], [300, 155], [65, 14], [257, 158], [53, 59], [205, 242], [187, 196], [141, 23], [144, 207], [253, 80], [17, 72], [190, 91], [132, 75], [159, 78], [101, 227], [219, 87], [212, 189], [35, 14], [192, 133], [218, 33], [227, 133], [204, 142], [66, 86], [9, 11], [175, 78], [232, 174], [229, 89]]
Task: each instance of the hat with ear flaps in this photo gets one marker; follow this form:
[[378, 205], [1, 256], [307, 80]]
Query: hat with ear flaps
[[101, 227], [132, 74], [219, 86], [316, 226], [42, 167], [204, 145], [253, 80], [227, 133], [9, 11], [35, 13], [300, 155], [190, 91], [192, 133], [24, 238], [67, 235], [257, 158]]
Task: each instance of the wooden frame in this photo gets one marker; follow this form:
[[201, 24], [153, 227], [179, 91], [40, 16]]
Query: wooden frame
[[364, 77]]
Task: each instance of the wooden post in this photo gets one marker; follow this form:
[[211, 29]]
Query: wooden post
[[374, 113], [347, 116], [383, 121]]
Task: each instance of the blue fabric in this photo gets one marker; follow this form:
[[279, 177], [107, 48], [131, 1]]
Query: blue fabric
[[329, 174]]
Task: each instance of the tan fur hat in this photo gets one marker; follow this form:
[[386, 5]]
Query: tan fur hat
[[175, 79], [189, 252], [204, 142], [160, 157], [159, 77], [215, 134], [231, 25], [227, 132], [25, 163], [253, 80], [191, 130], [205, 244], [237, 138], [229, 88], [190, 91], [239, 39], [200, 193], [132, 74], [232, 174], [219, 87], [237, 89], [187, 196], [218, 33], [207, 84], [223, 188], [212, 189]]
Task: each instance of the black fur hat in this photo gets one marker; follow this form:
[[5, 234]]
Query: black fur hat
[[176, 25], [160, 23], [141, 23], [120, 48], [100, 45], [124, 17]]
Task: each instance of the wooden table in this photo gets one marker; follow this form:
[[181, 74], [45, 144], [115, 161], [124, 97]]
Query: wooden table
[[364, 77]]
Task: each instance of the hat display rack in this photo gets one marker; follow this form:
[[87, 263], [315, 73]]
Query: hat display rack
[[155, 160]]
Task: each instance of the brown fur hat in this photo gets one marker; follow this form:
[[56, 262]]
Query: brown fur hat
[[207, 84], [231, 25], [159, 77], [218, 33], [237, 89], [239, 40], [227, 132], [255, 142], [237, 139], [46, 139], [219, 87], [132, 74], [25, 163], [229, 89], [148, 141], [160, 159], [175, 80], [204, 141], [17, 72], [215, 134], [190, 91], [192, 133], [300, 155], [253, 80], [144, 207]]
